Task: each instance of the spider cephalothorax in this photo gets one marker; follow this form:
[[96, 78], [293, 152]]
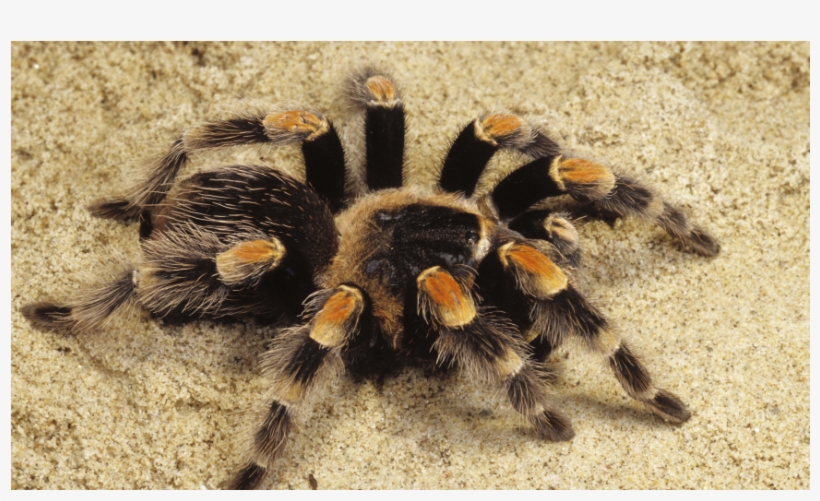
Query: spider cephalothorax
[[396, 276]]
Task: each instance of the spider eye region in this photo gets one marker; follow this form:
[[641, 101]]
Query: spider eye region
[[417, 236]]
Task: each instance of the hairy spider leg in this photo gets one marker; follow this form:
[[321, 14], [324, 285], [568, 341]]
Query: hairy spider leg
[[595, 184], [489, 348], [524, 187], [185, 274], [478, 142], [298, 359], [147, 194], [384, 127], [521, 279], [514, 286], [322, 149], [89, 308]]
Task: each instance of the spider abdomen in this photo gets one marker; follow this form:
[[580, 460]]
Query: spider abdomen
[[237, 240]]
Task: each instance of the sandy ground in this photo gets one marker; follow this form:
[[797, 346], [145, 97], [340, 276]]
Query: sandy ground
[[721, 129]]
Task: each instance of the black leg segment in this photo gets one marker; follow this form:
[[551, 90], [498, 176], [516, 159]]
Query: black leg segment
[[465, 162], [373, 92], [385, 146], [325, 167], [477, 143], [524, 187]]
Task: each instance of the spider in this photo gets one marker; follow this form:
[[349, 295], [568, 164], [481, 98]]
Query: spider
[[396, 276]]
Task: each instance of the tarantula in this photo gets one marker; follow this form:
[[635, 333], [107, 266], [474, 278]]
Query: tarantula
[[397, 276]]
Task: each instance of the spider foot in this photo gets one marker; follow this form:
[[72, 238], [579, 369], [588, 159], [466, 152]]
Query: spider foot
[[553, 426], [669, 407]]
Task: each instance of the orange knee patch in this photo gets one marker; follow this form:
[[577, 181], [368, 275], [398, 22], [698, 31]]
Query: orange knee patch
[[444, 298], [577, 171], [257, 250], [337, 318], [249, 259], [501, 125], [296, 122], [535, 273], [381, 88]]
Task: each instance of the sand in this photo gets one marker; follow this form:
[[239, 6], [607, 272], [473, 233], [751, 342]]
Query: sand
[[720, 129]]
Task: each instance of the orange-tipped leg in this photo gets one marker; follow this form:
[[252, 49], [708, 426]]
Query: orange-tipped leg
[[489, 347], [298, 358]]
